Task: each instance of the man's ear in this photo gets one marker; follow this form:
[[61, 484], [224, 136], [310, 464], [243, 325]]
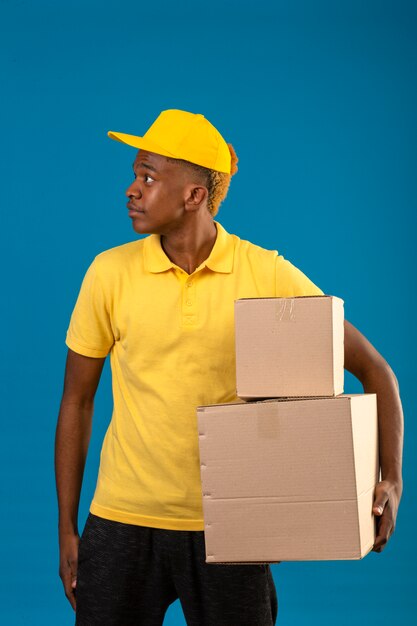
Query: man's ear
[[195, 196]]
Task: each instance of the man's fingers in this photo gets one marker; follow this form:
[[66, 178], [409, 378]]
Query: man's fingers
[[384, 530], [379, 544], [68, 574], [68, 559], [68, 580], [381, 497], [385, 506]]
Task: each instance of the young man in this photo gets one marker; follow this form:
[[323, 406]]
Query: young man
[[162, 307]]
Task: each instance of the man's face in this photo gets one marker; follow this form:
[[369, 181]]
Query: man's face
[[157, 195]]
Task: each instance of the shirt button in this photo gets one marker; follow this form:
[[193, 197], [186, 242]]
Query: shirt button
[[189, 283], [189, 303]]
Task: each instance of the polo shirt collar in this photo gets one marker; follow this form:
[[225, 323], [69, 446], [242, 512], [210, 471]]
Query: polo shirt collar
[[219, 260]]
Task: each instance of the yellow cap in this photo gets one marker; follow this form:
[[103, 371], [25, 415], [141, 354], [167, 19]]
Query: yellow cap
[[183, 135]]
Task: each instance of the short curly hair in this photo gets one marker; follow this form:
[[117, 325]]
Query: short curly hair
[[217, 183]]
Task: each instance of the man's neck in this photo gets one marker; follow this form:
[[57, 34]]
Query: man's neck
[[191, 246]]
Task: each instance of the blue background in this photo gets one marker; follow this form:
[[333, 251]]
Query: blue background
[[319, 100]]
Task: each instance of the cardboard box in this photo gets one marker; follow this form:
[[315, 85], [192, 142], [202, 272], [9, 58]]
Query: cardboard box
[[289, 347], [289, 480]]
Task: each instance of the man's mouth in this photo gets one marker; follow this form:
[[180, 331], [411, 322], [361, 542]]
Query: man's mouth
[[132, 207]]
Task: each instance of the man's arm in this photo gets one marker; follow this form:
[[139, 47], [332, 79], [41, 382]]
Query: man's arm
[[82, 375], [376, 376]]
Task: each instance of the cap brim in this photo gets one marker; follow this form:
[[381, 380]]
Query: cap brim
[[141, 143]]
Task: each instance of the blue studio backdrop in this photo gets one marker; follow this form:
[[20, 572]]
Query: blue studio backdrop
[[319, 100]]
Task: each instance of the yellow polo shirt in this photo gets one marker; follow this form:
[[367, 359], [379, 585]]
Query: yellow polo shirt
[[170, 336]]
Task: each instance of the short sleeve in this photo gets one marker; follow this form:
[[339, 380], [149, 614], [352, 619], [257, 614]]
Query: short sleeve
[[291, 282], [90, 331]]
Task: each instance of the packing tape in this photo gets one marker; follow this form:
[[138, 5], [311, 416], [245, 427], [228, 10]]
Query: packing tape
[[285, 310]]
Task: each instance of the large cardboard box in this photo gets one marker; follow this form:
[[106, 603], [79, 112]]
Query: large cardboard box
[[289, 480], [288, 347]]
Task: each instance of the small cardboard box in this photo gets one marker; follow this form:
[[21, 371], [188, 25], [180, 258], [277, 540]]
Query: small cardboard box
[[289, 347], [289, 480]]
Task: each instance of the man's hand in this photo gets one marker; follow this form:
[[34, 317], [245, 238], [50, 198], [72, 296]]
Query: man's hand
[[68, 564], [386, 500]]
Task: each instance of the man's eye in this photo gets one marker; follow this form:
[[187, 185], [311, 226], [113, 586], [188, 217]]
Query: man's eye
[[145, 176]]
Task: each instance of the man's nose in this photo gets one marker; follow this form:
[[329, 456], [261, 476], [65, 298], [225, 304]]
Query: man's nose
[[133, 191]]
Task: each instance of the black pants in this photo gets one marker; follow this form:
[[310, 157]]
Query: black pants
[[128, 575]]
